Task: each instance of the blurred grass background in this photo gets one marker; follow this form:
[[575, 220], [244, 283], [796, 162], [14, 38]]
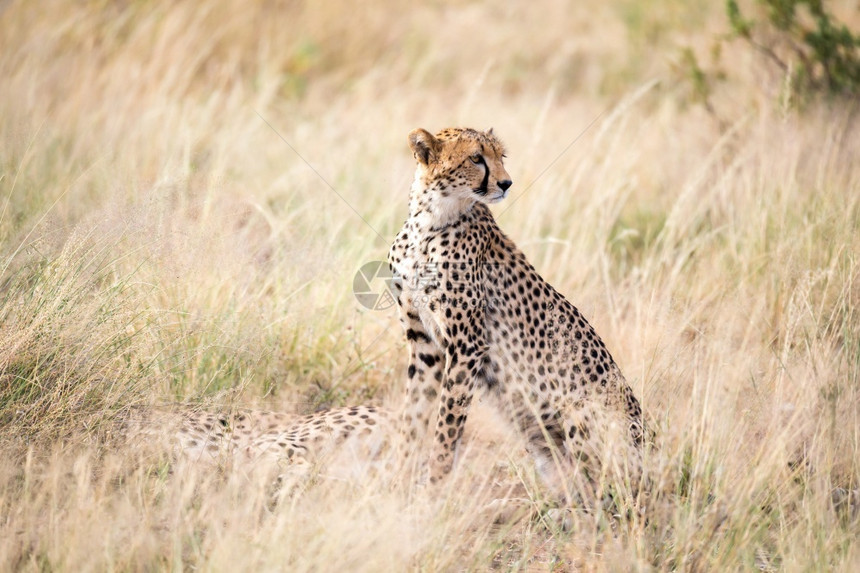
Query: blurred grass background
[[187, 190]]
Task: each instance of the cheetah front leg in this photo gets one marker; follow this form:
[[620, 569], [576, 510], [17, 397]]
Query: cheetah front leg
[[423, 378], [465, 350]]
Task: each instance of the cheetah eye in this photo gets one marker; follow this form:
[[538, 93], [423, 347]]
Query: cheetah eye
[[477, 159]]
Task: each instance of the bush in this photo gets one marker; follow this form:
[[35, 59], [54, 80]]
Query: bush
[[818, 53]]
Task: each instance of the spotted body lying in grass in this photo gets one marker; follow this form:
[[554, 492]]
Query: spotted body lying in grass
[[356, 438]]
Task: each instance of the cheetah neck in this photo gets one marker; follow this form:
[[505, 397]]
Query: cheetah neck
[[432, 208]]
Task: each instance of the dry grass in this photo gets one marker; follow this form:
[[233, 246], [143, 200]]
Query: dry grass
[[161, 242]]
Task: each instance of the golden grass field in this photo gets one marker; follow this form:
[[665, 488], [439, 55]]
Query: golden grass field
[[187, 190]]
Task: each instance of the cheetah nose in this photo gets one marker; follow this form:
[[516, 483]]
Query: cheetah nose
[[505, 184]]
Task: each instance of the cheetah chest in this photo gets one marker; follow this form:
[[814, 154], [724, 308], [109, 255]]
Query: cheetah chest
[[437, 279]]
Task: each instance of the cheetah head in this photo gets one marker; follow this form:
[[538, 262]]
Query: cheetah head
[[463, 164]]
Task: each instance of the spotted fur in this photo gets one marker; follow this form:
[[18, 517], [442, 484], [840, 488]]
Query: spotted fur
[[266, 440]]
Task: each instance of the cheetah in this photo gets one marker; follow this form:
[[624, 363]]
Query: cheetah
[[478, 317], [346, 442]]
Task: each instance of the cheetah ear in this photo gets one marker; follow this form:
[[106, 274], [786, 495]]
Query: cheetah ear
[[490, 131], [424, 146]]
